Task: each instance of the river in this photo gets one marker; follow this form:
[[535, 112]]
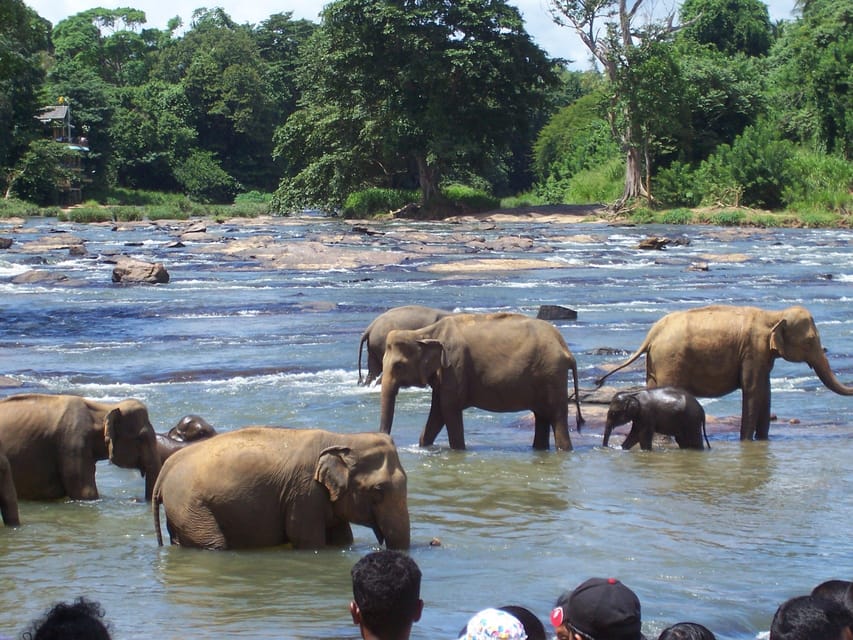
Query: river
[[720, 537]]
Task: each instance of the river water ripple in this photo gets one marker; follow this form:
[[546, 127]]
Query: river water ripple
[[720, 537]]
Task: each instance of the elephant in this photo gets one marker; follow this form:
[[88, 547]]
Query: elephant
[[665, 410], [712, 351], [8, 494], [53, 442], [412, 316], [191, 428], [267, 486], [497, 362]]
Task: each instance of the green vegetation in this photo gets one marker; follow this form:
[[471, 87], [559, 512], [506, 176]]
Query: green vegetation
[[438, 107]]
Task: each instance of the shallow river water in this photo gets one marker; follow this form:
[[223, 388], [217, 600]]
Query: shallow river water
[[719, 537]]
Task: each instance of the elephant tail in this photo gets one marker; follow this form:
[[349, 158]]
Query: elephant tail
[[156, 501], [360, 350], [705, 433], [579, 421], [643, 348]]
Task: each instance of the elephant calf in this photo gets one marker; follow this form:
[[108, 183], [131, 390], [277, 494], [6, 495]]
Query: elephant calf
[[665, 410], [191, 428], [265, 486]]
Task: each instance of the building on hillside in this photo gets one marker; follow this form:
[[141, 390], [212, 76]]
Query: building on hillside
[[59, 128]]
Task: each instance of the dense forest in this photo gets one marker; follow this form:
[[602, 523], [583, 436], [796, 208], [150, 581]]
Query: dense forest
[[404, 100]]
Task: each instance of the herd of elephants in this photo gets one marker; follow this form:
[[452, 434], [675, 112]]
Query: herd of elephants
[[267, 486]]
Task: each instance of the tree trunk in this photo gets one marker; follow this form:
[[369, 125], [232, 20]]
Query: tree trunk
[[427, 179], [633, 178]]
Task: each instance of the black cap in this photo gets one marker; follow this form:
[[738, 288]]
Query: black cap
[[604, 609]]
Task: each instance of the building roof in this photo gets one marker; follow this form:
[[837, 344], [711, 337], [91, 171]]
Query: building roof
[[53, 112]]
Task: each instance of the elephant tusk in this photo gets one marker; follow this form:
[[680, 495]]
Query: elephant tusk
[[378, 533]]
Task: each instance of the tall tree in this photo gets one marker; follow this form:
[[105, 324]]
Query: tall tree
[[398, 88], [613, 33], [24, 41], [732, 26]]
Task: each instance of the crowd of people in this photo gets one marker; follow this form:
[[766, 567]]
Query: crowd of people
[[386, 604]]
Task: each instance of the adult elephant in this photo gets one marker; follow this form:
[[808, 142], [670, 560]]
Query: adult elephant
[[265, 486], [666, 410], [8, 494], [497, 362], [712, 351], [413, 316], [191, 428], [53, 442]]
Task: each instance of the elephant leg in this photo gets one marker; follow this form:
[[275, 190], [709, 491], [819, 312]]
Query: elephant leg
[[542, 434], [562, 439], [632, 438], [339, 535], [78, 476], [646, 439], [455, 429], [755, 403], [434, 423], [202, 532]]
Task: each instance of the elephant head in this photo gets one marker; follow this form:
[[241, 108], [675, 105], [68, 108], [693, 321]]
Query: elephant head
[[409, 361], [795, 338], [367, 486], [190, 428], [131, 441], [624, 407]]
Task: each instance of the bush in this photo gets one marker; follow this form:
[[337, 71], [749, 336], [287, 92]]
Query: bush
[[675, 186], [375, 201], [605, 183], [677, 216], [466, 197], [728, 218], [819, 182], [87, 213], [14, 208], [205, 180], [642, 215], [253, 197], [522, 200]]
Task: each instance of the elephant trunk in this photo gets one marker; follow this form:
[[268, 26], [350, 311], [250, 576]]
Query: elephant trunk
[[150, 470], [389, 398], [827, 377], [395, 530], [608, 427]]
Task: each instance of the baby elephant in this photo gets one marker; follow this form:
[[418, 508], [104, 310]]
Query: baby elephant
[[666, 410]]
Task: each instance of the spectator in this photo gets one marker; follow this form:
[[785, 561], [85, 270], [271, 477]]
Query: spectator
[[533, 626], [493, 624], [598, 609], [686, 631], [811, 618], [80, 620], [386, 588], [839, 590]]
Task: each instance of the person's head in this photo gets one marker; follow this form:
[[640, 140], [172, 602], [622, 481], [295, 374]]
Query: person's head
[[839, 590], [493, 624], [598, 609], [811, 618], [686, 631], [80, 620], [386, 589], [533, 626]]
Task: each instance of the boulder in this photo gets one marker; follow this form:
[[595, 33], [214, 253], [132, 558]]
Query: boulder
[[131, 270], [5, 243], [556, 312]]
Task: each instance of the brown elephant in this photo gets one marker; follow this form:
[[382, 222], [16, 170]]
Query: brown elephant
[[266, 486], [191, 428], [54, 441], [8, 494], [711, 351], [413, 316], [497, 362]]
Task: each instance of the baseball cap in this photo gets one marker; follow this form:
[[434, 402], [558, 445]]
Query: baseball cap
[[600, 609]]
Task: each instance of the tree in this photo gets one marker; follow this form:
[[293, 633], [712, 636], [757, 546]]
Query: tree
[[24, 40], [621, 46], [396, 91], [732, 26]]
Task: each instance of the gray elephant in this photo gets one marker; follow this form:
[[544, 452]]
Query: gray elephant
[[191, 428], [665, 410], [53, 442], [265, 486], [8, 494], [712, 351], [413, 316], [497, 362]]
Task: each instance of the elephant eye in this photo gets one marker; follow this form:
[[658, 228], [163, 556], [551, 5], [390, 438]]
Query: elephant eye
[[377, 493]]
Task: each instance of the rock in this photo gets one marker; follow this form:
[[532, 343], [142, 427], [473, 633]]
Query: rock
[[131, 270], [5, 243], [37, 276], [698, 266], [556, 312], [77, 250], [658, 242]]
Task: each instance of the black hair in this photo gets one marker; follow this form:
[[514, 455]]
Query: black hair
[[840, 591], [386, 586], [809, 618], [80, 620], [533, 626], [687, 631]]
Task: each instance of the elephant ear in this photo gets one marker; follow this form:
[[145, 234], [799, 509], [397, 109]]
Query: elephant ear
[[777, 337], [333, 470], [112, 425], [433, 359]]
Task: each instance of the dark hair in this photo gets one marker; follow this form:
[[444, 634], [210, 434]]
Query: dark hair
[[386, 586], [687, 631], [533, 626], [841, 591], [809, 618], [80, 620]]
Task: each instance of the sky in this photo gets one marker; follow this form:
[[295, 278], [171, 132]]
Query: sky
[[557, 41]]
